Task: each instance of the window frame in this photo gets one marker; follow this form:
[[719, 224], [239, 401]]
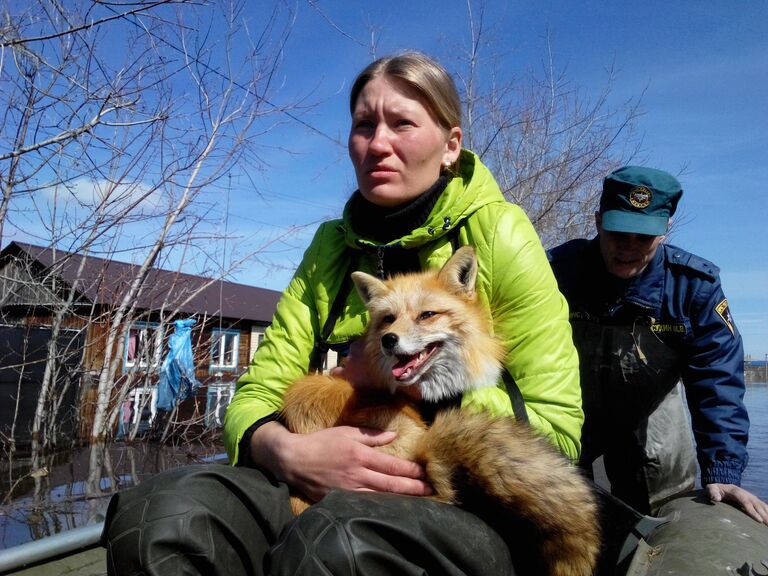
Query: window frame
[[218, 397], [144, 327], [235, 334]]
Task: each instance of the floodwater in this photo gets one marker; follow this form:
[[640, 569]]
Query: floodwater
[[755, 477], [73, 490]]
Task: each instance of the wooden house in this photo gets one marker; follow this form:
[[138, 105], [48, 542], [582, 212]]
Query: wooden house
[[38, 283]]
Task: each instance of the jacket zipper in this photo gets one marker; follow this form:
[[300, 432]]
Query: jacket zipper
[[380, 262]]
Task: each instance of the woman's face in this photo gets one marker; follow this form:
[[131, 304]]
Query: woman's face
[[396, 146]]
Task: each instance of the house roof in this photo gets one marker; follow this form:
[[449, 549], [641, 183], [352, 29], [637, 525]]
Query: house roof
[[106, 282]]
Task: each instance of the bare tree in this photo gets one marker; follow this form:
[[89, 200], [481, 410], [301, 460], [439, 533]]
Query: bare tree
[[119, 121], [545, 140]]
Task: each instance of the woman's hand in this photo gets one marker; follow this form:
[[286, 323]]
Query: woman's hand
[[751, 504], [341, 457]]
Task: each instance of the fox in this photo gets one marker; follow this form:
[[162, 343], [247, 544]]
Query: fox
[[427, 333]]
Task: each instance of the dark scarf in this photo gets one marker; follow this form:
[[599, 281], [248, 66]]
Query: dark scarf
[[383, 224]]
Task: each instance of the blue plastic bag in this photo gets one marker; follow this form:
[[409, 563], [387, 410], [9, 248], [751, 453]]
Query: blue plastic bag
[[177, 374]]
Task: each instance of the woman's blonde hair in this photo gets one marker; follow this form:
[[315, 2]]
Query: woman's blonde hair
[[430, 80]]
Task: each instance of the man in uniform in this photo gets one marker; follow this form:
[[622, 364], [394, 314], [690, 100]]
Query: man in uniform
[[647, 316]]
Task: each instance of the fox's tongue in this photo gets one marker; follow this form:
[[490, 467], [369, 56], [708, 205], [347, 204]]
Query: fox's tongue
[[406, 364]]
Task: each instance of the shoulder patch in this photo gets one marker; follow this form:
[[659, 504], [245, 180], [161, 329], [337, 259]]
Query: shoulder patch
[[725, 313]]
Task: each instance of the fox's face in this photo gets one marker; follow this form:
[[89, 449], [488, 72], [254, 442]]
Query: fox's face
[[426, 330]]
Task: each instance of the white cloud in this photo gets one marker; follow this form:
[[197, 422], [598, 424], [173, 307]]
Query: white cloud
[[90, 193]]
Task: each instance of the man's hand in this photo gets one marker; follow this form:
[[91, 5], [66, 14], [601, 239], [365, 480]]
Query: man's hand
[[751, 504]]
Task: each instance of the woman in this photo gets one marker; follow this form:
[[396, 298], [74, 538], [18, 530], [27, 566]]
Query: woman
[[420, 195]]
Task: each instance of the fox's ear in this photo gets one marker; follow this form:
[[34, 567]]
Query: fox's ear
[[460, 272], [369, 287]]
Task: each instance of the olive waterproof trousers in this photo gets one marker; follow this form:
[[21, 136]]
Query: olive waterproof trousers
[[215, 520]]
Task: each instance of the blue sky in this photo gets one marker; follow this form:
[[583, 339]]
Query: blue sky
[[702, 67]]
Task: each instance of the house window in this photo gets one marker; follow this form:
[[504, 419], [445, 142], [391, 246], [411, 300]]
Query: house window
[[257, 335], [143, 346], [224, 345], [218, 398], [137, 412]]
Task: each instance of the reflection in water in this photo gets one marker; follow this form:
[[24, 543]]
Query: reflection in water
[[72, 490]]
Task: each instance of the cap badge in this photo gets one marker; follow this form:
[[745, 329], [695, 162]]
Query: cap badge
[[640, 197]]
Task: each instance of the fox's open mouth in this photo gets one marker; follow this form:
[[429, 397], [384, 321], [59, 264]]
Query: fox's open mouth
[[408, 364]]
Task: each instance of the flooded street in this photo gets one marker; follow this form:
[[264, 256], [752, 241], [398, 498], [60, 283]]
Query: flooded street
[[72, 490]]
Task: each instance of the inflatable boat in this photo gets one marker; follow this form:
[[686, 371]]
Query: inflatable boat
[[689, 536]]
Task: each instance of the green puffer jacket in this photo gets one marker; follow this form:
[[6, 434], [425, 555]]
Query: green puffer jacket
[[515, 283]]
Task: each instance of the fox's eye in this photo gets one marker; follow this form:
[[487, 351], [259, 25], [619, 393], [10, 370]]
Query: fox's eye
[[426, 315], [388, 319]]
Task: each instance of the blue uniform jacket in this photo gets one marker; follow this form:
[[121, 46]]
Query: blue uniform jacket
[[682, 293]]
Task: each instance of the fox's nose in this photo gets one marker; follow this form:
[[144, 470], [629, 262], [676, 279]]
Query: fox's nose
[[389, 340]]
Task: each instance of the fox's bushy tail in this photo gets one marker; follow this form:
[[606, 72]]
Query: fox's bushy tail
[[521, 475]]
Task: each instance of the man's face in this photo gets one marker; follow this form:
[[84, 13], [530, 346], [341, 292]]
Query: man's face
[[626, 254]]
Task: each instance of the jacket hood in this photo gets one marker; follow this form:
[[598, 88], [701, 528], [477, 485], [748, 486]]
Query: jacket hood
[[472, 188]]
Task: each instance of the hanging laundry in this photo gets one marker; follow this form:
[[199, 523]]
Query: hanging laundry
[[177, 374]]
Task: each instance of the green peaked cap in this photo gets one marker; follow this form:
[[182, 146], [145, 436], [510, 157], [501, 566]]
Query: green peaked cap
[[639, 200]]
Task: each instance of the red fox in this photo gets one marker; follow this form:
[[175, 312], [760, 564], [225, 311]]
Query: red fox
[[426, 330]]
